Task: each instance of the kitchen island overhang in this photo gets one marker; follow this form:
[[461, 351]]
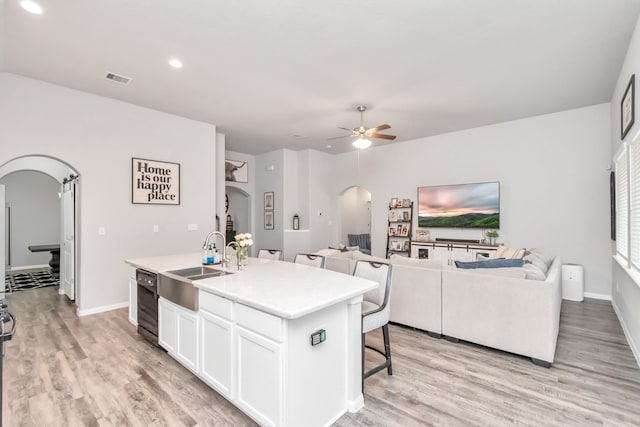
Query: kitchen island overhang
[[264, 318]]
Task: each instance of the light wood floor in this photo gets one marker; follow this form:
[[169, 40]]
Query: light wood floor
[[61, 370]]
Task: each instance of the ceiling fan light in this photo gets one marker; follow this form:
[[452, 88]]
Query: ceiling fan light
[[362, 143]]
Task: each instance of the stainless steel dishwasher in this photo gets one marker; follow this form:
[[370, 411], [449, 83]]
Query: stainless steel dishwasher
[[147, 305]]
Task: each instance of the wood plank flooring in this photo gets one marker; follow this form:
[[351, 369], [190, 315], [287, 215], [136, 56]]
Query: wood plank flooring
[[62, 370]]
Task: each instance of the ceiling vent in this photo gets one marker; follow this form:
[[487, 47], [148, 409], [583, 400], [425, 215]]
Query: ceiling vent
[[118, 79]]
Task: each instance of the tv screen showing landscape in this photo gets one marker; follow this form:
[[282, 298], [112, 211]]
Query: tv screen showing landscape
[[460, 206]]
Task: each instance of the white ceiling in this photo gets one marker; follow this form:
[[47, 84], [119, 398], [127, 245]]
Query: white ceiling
[[264, 71]]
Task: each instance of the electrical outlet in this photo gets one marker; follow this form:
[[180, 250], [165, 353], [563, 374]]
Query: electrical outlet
[[192, 227], [102, 231], [156, 228]]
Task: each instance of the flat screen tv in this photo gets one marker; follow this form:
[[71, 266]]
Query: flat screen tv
[[460, 206]]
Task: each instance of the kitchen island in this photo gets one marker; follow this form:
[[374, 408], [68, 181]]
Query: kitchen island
[[281, 341]]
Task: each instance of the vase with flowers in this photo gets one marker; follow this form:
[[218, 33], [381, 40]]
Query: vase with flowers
[[243, 242]]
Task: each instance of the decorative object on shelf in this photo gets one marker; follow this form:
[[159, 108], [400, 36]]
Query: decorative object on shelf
[[154, 182], [400, 211], [236, 171], [493, 235], [422, 235], [296, 222], [243, 242], [627, 107], [268, 220], [268, 201]]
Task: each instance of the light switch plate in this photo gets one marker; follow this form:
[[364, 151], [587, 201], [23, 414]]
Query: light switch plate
[[156, 228], [192, 227], [102, 231]]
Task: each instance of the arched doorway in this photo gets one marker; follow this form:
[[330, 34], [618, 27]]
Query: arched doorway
[[355, 208], [65, 188], [238, 210]]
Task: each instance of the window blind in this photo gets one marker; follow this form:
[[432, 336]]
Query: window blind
[[622, 205], [634, 203]]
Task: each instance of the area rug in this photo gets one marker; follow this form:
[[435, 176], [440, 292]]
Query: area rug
[[34, 280]]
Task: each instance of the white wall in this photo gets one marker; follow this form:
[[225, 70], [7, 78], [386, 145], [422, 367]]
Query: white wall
[[626, 291], [98, 137], [35, 215], [269, 180], [552, 173]]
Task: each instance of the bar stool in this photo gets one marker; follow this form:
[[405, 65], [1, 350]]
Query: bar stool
[[270, 254], [309, 259], [375, 311]]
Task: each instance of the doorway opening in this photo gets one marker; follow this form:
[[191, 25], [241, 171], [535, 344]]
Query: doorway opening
[[238, 212], [41, 218], [355, 208]]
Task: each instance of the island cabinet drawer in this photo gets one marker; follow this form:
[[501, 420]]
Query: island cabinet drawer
[[260, 322], [216, 305]]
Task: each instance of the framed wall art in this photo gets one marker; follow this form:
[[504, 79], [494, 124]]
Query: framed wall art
[[154, 182], [268, 201], [236, 171], [268, 220], [627, 107]]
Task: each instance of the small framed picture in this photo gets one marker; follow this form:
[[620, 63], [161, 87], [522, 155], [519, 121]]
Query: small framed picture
[[268, 201], [399, 230], [422, 235], [396, 245], [392, 231], [405, 230], [236, 171], [627, 107], [393, 216], [268, 220], [405, 216], [406, 246], [394, 202], [406, 203]]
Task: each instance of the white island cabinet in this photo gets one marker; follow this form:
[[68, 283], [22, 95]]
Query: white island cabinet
[[251, 338]]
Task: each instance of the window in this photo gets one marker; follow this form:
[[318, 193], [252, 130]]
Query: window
[[622, 205], [634, 203]]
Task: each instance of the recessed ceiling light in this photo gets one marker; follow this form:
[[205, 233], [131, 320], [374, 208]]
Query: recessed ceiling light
[[175, 63], [31, 7]]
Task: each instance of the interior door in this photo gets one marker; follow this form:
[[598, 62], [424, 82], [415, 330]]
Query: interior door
[[67, 272]]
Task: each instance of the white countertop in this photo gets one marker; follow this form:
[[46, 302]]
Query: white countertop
[[280, 288]]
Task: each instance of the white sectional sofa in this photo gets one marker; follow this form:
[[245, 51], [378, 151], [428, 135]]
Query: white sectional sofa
[[513, 314], [511, 309]]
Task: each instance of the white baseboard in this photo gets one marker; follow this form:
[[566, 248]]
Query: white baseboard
[[632, 345], [27, 267], [102, 309], [597, 296]]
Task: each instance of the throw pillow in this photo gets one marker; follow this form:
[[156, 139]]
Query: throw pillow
[[357, 255], [511, 272], [533, 272], [532, 258], [491, 263], [544, 257]]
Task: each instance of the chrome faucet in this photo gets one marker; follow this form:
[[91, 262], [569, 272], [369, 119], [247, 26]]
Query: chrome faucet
[[224, 245]]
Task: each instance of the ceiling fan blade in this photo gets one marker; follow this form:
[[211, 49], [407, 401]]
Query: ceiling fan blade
[[338, 137], [377, 129], [381, 136], [348, 130]]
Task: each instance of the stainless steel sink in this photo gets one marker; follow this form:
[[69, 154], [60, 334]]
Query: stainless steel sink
[[177, 285]]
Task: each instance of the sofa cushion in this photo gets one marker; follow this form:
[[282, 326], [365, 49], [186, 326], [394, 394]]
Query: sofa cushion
[[505, 252], [327, 252], [533, 272], [510, 272], [491, 263], [414, 262], [544, 257], [359, 256], [534, 259]]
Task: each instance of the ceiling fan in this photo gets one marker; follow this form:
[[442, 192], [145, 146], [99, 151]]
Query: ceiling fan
[[363, 133]]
